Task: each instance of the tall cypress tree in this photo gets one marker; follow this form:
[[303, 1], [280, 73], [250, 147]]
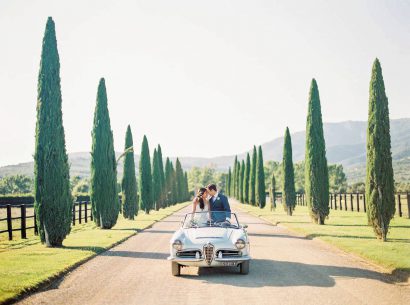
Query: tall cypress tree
[[145, 178], [180, 181], [272, 190], [252, 181], [53, 202], [156, 180], [162, 175], [174, 186], [246, 178], [260, 180], [316, 171], [288, 188], [233, 184], [104, 195], [168, 182], [187, 195], [228, 186], [129, 180], [237, 182], [241, 178], [379, 169]]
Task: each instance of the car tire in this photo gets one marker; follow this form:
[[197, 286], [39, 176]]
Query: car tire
[[244, 267], [176, 269]]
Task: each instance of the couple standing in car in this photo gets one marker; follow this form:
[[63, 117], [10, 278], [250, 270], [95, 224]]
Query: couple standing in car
[[209, 200]]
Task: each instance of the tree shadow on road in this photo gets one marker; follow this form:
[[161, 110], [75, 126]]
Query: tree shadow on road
[[135, 254], [284, 274]]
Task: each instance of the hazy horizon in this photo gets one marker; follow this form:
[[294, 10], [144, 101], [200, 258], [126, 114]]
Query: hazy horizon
[[203, 79]]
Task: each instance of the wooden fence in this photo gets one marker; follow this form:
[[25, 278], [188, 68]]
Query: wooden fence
[[355, 202], [16, 217]]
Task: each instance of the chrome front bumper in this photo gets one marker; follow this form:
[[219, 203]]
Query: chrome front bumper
[[216, 262]]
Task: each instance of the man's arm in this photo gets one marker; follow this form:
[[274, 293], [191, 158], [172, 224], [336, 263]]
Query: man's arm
[[227, 207]]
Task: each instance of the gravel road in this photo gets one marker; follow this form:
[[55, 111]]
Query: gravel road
[[286, 269]]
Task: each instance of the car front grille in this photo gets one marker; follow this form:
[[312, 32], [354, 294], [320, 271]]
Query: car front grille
[[188, 253], [228, 253], [209, 253]]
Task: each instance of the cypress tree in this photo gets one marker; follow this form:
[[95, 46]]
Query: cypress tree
[[104, 195], [129, 180], [237, 182], [180, 181], [272, 191], [252, 181], [316, 171], [53, 202], [174, 186], [187, 195], [162, 175], [288, 187], [241, 193], [156, 180], [145, 178], [233, 184], [260, 180], [228, 186], [379, 169], [168, 182], [246, 178]]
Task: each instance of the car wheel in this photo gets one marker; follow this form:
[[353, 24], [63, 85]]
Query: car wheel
[[176, 269], [244, 268]]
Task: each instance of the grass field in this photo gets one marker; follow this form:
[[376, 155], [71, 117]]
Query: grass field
[[26, 263], [348, 231]]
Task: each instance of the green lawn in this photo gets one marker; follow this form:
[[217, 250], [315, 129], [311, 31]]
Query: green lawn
[[348, 231], [26, 263]]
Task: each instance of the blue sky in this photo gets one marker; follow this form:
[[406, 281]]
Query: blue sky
[[203, 78]]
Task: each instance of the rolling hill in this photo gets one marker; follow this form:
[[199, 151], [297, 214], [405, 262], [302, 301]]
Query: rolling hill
[[345, 144]]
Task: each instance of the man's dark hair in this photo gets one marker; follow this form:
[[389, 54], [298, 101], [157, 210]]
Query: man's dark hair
[[212, 187]]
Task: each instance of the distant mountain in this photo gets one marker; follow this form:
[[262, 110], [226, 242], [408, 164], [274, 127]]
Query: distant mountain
[[345, 144]]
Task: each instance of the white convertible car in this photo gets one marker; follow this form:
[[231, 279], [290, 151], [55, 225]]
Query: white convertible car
[[203, 241]]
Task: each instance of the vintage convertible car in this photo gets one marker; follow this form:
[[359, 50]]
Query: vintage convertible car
[[209, 240]]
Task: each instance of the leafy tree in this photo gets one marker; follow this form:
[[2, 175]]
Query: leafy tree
[[246, 177], [146, 191], [252, 181], [272, 190], [81, 188], [156, 180], [162, 175], [316, 172], [288, 189], [379, 176], [104, 195], [241, 181], [129, 179], [260, 180], [17, 184], [337, 178], [53, 201]]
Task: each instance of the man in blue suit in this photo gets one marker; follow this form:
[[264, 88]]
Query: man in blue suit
[[218, 203]]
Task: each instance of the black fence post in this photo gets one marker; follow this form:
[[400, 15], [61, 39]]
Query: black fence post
[[399, 205], [358, 201], [23, 221], [74, 214], [345, 198], [331, 200], [335, 196], [91, 211], [79, 212], [364, 202], [86, 211], [9, 224], [35, 224], [351, 202], [408, 205], [340, 201]]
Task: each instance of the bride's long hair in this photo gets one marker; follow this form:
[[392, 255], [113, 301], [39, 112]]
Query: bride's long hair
[[199, 195]]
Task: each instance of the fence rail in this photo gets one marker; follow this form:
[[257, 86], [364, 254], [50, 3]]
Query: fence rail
[[16, 215], [354, 202]]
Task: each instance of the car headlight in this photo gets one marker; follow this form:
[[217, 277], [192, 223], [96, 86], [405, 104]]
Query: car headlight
[[240, 244], [177, 245]]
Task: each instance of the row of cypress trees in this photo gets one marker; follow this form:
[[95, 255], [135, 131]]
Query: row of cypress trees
[[157, 186], [246, 181]]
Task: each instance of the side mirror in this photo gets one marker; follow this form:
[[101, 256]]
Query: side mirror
[[245, 226]]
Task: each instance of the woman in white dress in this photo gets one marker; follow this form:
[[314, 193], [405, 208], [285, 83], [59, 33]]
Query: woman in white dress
[[201, 204]]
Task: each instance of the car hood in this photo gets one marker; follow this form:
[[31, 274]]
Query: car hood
[[198, 234]]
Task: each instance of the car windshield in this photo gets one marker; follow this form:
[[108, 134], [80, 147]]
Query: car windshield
[[210, 219]]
